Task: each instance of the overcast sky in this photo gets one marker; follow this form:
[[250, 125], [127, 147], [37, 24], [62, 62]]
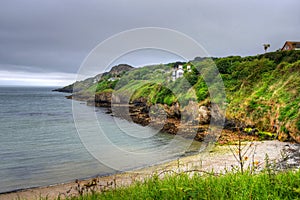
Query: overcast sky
[[43, 42]]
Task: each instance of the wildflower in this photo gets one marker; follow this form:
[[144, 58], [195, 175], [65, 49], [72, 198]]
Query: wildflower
[[256, 163]]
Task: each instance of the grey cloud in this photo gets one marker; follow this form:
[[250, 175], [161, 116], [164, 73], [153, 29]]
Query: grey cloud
[[56, 35]]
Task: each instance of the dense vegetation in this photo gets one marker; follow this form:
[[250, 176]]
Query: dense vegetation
[[264, 91], [261, 91], [265, 185]]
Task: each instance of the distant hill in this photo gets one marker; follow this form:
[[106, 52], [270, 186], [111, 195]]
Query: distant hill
[[115, 71]]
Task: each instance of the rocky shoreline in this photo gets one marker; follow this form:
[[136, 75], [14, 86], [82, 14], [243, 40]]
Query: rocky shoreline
[[189, 122], [170, 119]]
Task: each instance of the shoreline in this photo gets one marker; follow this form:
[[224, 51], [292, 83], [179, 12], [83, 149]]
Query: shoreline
[[219, 159]]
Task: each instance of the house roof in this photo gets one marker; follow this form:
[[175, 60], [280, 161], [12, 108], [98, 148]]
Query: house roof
[[293, 44]]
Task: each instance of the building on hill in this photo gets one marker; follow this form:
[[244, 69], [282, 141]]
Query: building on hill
[[178, 71], [291, 45]]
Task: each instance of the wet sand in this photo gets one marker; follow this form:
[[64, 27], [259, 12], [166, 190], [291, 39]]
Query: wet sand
[[218, 158]]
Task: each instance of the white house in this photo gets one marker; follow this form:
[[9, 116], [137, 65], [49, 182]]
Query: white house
[[178, 71]]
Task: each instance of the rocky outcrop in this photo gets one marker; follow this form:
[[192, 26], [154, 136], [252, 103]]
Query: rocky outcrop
[[102, 99], [119, 69], [191, 122], [173, 111]]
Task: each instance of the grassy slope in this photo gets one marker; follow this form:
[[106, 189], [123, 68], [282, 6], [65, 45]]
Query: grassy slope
[[273, 100], [262, 91], [266, 94]]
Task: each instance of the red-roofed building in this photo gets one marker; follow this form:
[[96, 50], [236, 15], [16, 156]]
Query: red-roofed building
[[289, 45]]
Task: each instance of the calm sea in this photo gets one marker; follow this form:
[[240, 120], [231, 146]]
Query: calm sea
[[39, 144]]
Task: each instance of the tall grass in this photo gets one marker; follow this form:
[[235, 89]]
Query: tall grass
[[264, 185]]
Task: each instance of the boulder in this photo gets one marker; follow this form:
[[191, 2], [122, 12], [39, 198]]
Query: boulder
[[173, 111], [204, 115]]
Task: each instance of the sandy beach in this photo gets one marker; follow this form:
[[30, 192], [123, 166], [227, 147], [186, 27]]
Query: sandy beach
[[218, 158]]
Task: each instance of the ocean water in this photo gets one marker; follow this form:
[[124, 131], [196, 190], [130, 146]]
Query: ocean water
[[40, 145]]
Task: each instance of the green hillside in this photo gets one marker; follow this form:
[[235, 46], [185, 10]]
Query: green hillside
[[261, 91]]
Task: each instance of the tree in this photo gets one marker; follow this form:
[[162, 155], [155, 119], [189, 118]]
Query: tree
[[266, 46]]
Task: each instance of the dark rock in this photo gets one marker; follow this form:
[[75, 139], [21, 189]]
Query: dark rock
[[173, 111], [199, 136], [230, 125], [171, 128], [102, 99], [140, 102]]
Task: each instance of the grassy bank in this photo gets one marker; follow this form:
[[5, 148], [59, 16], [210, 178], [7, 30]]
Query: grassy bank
[[265, 185]]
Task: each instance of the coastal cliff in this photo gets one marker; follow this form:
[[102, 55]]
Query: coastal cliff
[[262, 95]]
